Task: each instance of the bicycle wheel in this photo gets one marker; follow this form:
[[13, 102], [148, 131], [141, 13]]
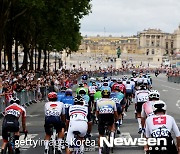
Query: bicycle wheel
[[8, 149]]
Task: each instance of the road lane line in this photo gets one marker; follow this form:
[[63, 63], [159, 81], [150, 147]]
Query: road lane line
[[170, 87]]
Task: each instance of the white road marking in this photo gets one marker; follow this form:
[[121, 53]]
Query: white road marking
[[164, 90], [170, 87], [31, 116], [178, 104]]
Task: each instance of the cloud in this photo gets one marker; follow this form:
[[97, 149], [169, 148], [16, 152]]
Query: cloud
[[127, 17]]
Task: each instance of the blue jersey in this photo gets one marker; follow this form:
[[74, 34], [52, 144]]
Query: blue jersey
[[68, 101], [60, 95], [86, 99], [117, 97]]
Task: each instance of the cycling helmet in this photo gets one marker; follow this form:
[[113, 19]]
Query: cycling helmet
[[81, 85], [117, 88], [68, 92], [154, 94], [105, 92], [82, 92], [14, 100], [113, 79], [128, 82], [52, 96], [142, 87], [159, 106], [119, 81], [93, 83], [105, 84], [78, 99], [63, 89]]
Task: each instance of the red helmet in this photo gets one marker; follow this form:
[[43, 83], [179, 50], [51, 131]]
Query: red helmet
[[52, 95]]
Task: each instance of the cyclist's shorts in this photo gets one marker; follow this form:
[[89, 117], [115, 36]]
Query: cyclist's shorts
[[80, 126], [119, 109], [10, 124], [129, 92], [105, 119], [139, 106], [52, 121]]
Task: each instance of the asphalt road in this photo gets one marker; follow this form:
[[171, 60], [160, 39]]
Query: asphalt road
[[170, 93]]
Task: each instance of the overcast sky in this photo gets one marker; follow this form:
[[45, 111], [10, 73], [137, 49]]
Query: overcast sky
[[127, 17]]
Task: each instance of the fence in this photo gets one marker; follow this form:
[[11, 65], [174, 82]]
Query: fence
[[26, 97], [175, 79]]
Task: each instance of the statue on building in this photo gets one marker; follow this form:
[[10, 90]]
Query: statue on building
[[118, 52]]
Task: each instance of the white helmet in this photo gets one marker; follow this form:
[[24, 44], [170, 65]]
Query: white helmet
[[159, 105], [154, 94]]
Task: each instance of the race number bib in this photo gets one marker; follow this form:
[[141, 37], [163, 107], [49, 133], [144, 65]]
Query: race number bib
[[106, 110], [160, 132], [52, 112], [13, 112], [78, 116], [142, 99]]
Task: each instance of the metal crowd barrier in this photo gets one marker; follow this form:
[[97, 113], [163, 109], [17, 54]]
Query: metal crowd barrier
[[175, 79]]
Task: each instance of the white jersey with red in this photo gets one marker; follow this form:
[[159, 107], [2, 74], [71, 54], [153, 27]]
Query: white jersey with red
[[78, 113], [54, 109], [147, 109], [15, 110], [141, 96], [92, 89], [161, 125]]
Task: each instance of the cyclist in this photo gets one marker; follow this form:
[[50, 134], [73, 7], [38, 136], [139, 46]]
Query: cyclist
[[81, 86], [54, 115], [147, 109], [129, 93], [122, 86], [118, 97], [160, 126], [105, 86], [106, 112], [92, 91], [10, 122], [68, 100], [141, 96], [85, 97], [61, 94], [79, 119]]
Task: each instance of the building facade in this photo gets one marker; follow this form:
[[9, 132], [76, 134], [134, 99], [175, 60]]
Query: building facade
[[148, 42]]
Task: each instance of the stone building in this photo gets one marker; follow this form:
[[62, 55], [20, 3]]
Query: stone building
[[177, 41]]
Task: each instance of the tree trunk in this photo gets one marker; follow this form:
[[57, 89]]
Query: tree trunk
[[31, 59], [25, 60], [9, 53], [39, 59], [16, 56], [45, 59]]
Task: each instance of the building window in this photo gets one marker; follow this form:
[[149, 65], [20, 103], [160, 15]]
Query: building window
[[152, 43], [166, 45], [147, 53], [171, 45], [152, 51], [158, 37]]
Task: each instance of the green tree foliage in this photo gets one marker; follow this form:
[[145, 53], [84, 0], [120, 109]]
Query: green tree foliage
[[42, 25]]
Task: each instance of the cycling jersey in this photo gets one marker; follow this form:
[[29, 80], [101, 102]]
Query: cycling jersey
[[106, 106], [79, 113], [86, 100], [117, 97], [54, 109], [68, 101], [60, 95], [141, 96], [165, 122], [15, 110], [81, 88], [84, 77], [147, 109], [97, 95], [92, 89]]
